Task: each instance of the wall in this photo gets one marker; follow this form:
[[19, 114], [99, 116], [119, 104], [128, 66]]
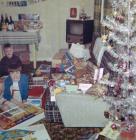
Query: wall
[[53, 14]]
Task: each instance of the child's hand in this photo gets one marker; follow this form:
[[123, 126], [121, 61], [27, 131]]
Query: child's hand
[[7, 103], [5, 107]]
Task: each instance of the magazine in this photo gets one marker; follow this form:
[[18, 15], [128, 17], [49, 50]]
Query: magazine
[[13, 112]]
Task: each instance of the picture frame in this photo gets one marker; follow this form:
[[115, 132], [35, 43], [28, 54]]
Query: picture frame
[[17, 3]]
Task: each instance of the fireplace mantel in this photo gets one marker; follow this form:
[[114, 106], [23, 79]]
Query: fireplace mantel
[[31, 38]]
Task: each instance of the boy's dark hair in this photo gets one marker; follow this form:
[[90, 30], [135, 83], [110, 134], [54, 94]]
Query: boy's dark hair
[[6, 46], [14, 67]]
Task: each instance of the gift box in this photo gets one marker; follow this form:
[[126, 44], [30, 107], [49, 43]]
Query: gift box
[[58, 59], [37, 96], [52, 113], [80, 72], [128, 135]]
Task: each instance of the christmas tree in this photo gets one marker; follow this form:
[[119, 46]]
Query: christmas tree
[[121, 44]]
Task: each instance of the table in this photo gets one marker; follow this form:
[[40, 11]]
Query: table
[[30, 38]]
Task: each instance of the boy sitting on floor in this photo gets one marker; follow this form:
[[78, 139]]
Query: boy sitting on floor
[[15, 87], [9, 59]]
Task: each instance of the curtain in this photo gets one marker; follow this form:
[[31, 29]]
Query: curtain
[[97, 14]]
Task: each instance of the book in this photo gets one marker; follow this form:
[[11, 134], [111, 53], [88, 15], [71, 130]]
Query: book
[[6, 122], [58, 58], [45, 68], [16, 135], [34, 101], [16, 117], [36, 92], [13, 112], [34, 132]]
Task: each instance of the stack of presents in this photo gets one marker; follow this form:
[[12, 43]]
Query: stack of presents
[[64, 71], [69, 73]]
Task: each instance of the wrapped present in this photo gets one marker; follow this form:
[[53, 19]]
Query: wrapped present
[[69, 66], [98, 89], [80, 72], [6, 122], [68, 57], [58, 58], [43, 68], [36, 96], [70, 69], [79, 63]]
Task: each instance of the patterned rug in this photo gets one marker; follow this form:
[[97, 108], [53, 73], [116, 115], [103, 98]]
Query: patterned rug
[[57, 131]]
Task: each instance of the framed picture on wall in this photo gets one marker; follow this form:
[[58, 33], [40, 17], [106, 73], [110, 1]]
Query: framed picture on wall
[[16, 3], [33, 17]]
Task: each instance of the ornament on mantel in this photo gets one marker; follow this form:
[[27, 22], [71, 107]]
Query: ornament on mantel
[[35, 1], [19, 3]]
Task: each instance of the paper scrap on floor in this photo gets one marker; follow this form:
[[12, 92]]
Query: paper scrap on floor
[[84, 87], [40, 132]]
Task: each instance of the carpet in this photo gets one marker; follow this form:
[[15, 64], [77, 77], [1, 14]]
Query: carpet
[[57, 131]]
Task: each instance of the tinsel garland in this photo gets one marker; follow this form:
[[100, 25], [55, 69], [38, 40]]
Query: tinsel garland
[[125, 57], [120, 71], [122, 41], [114, 68], [122, 3], [123, 86], [113, 25], [110, 50]]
